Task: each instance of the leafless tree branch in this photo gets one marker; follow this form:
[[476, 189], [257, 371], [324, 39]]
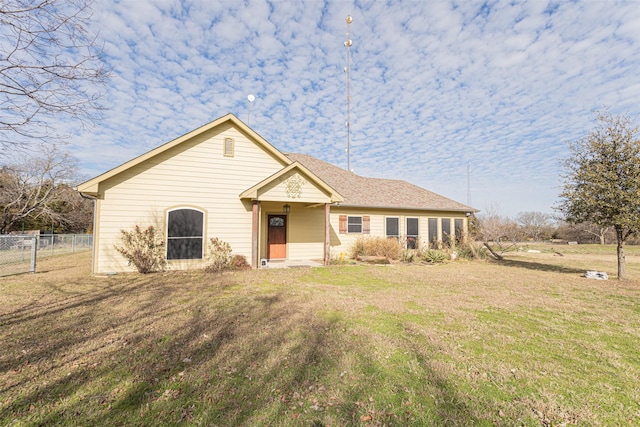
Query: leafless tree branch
[[32, 189], [49, 67]]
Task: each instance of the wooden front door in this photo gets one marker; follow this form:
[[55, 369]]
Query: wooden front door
[[277, 237]]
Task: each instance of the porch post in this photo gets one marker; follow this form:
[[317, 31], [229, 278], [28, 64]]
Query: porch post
[[255, 221], [327, 234]]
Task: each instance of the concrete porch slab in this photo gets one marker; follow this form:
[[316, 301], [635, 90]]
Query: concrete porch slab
[[286, 263]]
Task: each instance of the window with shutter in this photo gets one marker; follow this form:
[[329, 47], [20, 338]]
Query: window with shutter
[[343, 224], [354, 224]]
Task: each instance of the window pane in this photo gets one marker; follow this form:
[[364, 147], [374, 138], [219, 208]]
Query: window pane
[[446, 229], [458, 228], [276, 221], [392, 227], [185, 234], [433, 230], [354, 224], [188, 248], [412, 226], [185, 223]]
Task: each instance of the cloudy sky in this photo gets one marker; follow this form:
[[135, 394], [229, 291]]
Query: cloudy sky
[[475, 101]]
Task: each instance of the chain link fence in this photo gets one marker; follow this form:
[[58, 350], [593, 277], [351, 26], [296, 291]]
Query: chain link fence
[[20, 253]]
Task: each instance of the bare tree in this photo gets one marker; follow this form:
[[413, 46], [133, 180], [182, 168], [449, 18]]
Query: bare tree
[[49, 67], [72, 213], [598, 231], [32, 189], [534, 224], [497, 233]]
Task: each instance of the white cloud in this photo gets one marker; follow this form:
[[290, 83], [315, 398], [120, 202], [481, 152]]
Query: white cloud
[[435, 86]]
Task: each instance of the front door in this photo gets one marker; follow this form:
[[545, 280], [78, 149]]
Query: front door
[[277, 237]]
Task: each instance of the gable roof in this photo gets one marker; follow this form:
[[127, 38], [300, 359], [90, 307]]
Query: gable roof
[[91, 187], [252, 193], [359, 191]]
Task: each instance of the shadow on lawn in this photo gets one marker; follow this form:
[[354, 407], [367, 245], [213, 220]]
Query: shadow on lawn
[[143, 353], [538, 266]]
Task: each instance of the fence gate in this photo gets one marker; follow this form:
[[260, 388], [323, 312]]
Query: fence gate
[[17, 254]]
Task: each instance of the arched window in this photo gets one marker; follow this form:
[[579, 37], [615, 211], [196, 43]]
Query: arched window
[[185, 234]]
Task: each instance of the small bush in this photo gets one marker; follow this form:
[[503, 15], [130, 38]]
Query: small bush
[[239, 263], [218, 256], [409, 255], [472, 251], [375, 246], [435, 256], [145, 249]]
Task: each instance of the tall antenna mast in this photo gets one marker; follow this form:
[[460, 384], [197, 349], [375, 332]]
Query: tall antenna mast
[[348, 44], [468, 184], [250, 98]]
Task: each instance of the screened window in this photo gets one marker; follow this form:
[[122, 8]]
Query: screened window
[[458, 229], [433, 231], [393, 227], [412, 233], [354, 224], [446, 230], [185, 234]]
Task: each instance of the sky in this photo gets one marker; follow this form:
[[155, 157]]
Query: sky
[[476, 101]]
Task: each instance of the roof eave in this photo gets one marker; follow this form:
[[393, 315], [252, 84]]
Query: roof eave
[[404, 208]]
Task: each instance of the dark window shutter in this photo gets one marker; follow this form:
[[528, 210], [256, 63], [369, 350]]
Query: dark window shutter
[[343, 224], [366, 225]]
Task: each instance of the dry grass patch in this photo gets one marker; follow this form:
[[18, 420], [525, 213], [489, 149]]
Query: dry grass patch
[[525, 342]]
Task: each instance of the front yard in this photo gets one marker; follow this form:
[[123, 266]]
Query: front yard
[[524, 342]]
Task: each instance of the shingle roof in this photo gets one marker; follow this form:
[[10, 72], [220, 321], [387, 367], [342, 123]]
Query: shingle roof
[[375, 192]]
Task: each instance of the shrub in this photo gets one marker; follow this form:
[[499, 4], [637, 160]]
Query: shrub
[[145, 249], [239, 262], [218, 256], [409, 255], [435, 256], [375, 246], [472, 251]]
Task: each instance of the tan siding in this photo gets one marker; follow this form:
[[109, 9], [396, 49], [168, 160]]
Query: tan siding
[[343, 242], [195, 173], [306, 233]]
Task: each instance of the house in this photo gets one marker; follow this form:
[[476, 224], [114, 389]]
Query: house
[[224, 180]]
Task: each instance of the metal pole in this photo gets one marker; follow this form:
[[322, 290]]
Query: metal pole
[[34, 250], [348, 44]]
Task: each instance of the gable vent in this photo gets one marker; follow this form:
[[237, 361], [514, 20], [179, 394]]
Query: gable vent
[[228, 147]]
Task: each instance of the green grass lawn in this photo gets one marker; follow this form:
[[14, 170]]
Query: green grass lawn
[[528, 341]]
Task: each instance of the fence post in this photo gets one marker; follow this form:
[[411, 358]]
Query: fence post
[[34, 250]]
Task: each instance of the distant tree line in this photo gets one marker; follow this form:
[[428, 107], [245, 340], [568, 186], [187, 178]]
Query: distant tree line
[[491, 226]]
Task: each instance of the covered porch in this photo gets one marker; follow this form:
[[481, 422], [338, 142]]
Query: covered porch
[[290, 217]]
